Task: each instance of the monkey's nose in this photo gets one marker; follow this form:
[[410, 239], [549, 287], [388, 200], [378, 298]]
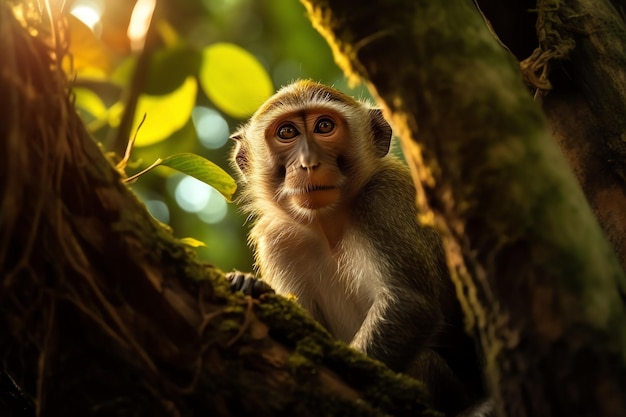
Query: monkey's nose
[[309, 166]]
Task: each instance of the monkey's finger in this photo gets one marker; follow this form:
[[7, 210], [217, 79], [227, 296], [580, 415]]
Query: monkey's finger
[[237, 279], [236, 282], [260, 287], [254, 287], [248, 284]]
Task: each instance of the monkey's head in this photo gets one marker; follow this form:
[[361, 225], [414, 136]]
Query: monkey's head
[[308, 149]]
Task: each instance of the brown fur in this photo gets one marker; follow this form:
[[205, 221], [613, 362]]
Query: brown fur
[[358, 261]]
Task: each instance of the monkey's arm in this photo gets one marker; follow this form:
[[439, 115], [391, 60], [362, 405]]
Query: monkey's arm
[[397, 326], [408, 313]]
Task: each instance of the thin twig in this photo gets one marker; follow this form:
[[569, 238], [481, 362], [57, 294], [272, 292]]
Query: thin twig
[[121, 166], [140, 173]]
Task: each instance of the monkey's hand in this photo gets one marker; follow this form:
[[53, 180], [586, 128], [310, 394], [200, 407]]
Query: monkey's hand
[[248, 284]]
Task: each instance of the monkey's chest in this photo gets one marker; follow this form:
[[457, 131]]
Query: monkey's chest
[[336, 285], [348, 292]]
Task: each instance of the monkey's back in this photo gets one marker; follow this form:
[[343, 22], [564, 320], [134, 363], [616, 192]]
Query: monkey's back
[[415, 257]]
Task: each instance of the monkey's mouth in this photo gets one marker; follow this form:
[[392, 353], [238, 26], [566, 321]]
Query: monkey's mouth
[[314, 196], [313, 188]]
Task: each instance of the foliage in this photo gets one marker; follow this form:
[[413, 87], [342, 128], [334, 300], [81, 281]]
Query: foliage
[[199, 168], [210, 66]]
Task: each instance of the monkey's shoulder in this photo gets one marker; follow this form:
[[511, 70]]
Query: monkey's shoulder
[[386, 212], [390, 195], [391, 179]]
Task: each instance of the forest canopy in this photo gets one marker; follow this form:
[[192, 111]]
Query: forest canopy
[[208, 66]]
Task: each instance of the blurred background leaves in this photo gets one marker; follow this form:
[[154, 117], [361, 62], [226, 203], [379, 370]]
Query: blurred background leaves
[[211, 64]]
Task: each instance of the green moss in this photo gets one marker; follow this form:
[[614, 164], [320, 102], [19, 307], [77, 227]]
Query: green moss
[[377, 385], [289, 319]]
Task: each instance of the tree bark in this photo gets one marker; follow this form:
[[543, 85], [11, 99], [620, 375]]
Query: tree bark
[[540, 285], [103, 312], [597, 94]]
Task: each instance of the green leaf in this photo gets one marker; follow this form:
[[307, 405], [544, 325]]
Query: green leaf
[[203, 170], [88, 101], [165, 114], [234, 79], [183, 139]]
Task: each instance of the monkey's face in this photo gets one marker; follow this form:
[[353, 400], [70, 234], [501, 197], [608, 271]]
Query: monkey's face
[[307, 147]]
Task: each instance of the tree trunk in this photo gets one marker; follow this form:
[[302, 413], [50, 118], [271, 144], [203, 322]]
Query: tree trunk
[[103, 312], [594, 143], [540, 285]]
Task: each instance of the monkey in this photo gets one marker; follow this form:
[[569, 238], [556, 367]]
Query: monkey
[[334, 222]]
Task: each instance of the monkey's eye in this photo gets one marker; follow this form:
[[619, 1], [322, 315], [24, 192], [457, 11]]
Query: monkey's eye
[[324, 126], [287, 132]]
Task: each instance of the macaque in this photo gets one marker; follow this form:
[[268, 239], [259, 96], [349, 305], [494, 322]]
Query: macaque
[[335, 224]]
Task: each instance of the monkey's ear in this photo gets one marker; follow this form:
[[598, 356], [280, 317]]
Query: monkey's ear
[[240, 153], [238, 135], [382, 132], [241, 159]]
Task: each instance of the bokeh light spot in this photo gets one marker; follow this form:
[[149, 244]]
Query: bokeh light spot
[[215, 210], [88, 11], [140, 22], [211, 127], [192, 195]]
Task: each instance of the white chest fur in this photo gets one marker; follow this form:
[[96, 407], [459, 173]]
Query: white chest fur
[[337, 286], [353, 287]]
